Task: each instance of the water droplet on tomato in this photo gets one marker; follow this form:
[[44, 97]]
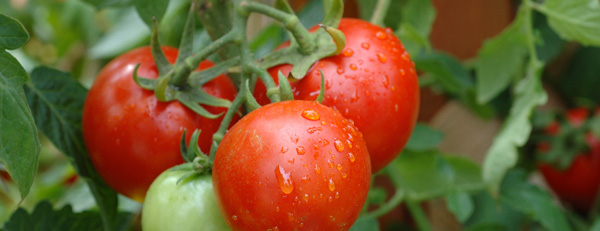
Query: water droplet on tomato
[[337, 195], [395, 107], [330, 164], [380, 35], [366, 46], [317, 169], [351, 157], [389, 30], [291, 216], [353, 67], [323, 122], [284, 149], [339, 146], [234, 217], [402, 72], [349, 143], [344, 175], [291, 161], [300, 150], [382, 58], [312, 130], [330, 199], [311, 114], [348, 52], [294, 138], [305, 178], [277, 209], [331, 185], [285, 180], [305, 197], [339, 167], [340, 70]]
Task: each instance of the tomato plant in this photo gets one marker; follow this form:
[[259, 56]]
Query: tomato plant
[[292, 165], [578, 183], [373, 76], [132, 137], [178, 201]]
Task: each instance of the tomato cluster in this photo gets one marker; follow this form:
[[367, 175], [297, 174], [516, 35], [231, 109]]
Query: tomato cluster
[[291, 165], [578, 184]]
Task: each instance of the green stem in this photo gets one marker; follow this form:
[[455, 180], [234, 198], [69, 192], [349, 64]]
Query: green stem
[[209, 13], [380, 12], [528, 4], [289, 21], [240, 98], [418, 215], [272, 89], [393, 202]]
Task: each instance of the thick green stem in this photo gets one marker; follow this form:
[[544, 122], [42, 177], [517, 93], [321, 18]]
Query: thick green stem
[[289, 21], [393, 202], [216, 18], [218, 136], [380, 12], [418, 215], [529, 5]]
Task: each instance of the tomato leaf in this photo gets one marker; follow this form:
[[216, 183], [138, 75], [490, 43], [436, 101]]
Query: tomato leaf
[[577, 20], [44, 217], [57, 105], [369, 224], [502, 155], [424, 138], [460, 204], [509, 49], [149, 9], [109, 3], [531, 200], [19, 141], [121, 37], [12, 34], [426, 175]]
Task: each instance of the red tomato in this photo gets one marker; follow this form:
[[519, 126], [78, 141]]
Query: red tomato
[[372, 82], [577, 185], [131, 137], [292, 165]]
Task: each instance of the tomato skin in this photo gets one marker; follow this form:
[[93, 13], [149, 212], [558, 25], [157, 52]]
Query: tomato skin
[[187, 206], [372, 82], [578, 184], [131, 137], [277, 170]]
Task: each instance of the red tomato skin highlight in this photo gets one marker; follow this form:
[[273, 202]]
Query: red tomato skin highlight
[[131, 137], [277, 169], [372, 82]]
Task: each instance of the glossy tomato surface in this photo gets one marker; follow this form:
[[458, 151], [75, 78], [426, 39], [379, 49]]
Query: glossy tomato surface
[[185, 206], [131, 137], [292, 165], [372, 82], [578, 184]]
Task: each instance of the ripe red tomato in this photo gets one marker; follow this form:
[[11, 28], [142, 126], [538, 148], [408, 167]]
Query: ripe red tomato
[[578, 184], [292, 165], [131, 137], [372, 82]]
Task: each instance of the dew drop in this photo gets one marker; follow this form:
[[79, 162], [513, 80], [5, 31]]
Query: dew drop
[[366, 46], [317, 169], [388, 30], [330, 199], [291, 216], [339, 146], [285, 180], [323, 122], [311, 114], [380, 35], [402, 72], [294, 138], [234, 217], [312, 130], [382, 58], [277, 209], [340, 70], [305, 178], [339, 167], [344, 175], [291, 161], [351, 157], [349, 143], [395, 107], [330, 164], [300, 150], [331, 185], [333, 157], [324, 142], [353, 67], [284, 149], [337, 195], [348, 52], [393, 88], [305, 197]]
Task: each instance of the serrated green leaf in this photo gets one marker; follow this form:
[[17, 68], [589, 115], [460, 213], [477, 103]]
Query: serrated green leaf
[[577, 20], [19, 141], [57, 105], [460, 204], [533, 201], [12, 33], [500, 60], [44, 217], [149, 9], [423, 138], [502, 155], [109, 3], [426, 175]]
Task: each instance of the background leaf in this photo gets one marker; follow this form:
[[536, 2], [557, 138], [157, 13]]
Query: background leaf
[[148, 9], [460, 204], [57, 104], [12, 33], [503, 155], [19, 141], [577, 20], [500, 60], [424, 138], [44, 217], [109, 3]]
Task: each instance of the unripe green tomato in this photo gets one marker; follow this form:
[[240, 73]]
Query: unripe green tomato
[[187, 205]]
